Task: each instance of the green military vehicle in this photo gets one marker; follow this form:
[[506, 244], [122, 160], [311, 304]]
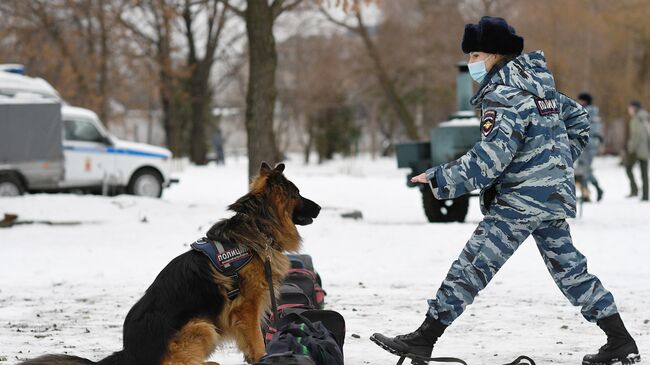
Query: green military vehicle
[[448, 141]]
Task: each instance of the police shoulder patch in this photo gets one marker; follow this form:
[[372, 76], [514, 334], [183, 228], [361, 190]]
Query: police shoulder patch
[[488, 121], [546, 106]]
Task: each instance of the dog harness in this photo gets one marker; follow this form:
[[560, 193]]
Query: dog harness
[[228, 258]]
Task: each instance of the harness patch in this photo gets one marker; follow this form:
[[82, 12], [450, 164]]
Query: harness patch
[[547, 106], [488, 121], [228, 258]]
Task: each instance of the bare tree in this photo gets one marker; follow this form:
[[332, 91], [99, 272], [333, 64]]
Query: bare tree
[[199, 69], [381, 73], [155, 40], [81, 36], [260, 17]]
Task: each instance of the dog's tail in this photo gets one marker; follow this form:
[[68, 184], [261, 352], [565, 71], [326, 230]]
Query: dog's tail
[[116, 358], [57, 360]]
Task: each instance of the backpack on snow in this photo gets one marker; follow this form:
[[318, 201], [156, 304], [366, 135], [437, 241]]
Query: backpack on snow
[[298, 336], [308, 282], [304, 262]]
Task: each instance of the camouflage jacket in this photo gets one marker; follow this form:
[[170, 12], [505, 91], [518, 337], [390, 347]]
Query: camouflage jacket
[[531, 135]]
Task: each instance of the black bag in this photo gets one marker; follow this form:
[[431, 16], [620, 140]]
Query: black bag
[[292, 294], [304, 262], [300, 336], [287, 358], [332, 320]]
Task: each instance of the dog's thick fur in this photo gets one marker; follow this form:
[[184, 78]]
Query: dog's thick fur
[[185, 313]]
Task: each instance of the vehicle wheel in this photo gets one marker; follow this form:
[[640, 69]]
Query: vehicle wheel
[[145, 182], [10, 185], [446, 210]]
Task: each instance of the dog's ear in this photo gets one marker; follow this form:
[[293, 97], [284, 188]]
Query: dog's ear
[[279, 167], [265, 169]]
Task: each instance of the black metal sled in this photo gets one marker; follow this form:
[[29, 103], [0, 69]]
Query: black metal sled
[[419, 360]]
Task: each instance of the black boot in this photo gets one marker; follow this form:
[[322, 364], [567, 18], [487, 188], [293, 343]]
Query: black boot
[[419, 343], [599, 193], [620, 347]]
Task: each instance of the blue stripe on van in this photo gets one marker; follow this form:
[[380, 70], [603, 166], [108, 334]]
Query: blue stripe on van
[[116, 151]]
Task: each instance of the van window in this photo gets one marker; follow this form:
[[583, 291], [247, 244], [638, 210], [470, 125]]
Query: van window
[[81, 130]]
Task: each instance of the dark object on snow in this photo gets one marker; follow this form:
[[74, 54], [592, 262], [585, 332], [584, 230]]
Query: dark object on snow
[[9, 220], [620, 346], [355, 214], [492, 35]]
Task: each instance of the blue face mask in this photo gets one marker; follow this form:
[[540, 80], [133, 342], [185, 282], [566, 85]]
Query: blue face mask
[[477, 70]]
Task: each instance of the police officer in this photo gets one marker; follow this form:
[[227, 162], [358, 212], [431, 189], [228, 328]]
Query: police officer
[[584, 170], [638, 148], [531, 134]]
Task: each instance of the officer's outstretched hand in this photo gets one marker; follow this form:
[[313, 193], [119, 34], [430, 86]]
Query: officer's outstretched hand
[[422, 179]]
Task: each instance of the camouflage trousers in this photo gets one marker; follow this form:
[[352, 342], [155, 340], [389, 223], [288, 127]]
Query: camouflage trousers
[[490, 246]]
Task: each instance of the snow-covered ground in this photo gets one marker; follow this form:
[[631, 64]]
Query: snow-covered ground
[[67, 289]]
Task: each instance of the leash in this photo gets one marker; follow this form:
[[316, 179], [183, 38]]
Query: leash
[[269, 279], [518, 360], [436, 359]]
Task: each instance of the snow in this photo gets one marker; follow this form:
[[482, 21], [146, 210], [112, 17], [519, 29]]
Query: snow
[[67, 289]]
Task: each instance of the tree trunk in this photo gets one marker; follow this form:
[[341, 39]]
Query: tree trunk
[[104, 111], [200, 99], [167, 81], [261, 94]]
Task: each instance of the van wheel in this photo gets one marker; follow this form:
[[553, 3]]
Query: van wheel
[[447, 210], [146, 182], [10, 185]]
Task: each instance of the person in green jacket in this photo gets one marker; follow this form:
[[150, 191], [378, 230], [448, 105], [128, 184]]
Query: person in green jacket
[[638, 147]]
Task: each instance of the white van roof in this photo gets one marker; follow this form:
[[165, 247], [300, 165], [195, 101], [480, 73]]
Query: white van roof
[[12, 84], [73, 111]]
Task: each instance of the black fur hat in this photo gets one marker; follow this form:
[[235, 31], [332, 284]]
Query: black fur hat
[[492, 35], [586, 97]]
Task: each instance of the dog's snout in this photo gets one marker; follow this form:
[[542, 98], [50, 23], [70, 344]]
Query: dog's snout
[[310, 207]]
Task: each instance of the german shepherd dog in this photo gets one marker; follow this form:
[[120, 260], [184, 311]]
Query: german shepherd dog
[[185, 313]]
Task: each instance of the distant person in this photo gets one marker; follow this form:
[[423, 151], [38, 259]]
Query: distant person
[[638, 147], [523, 165], [584, 169], [217, 144]]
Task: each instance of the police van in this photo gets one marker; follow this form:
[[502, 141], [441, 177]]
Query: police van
[[46, 145]]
